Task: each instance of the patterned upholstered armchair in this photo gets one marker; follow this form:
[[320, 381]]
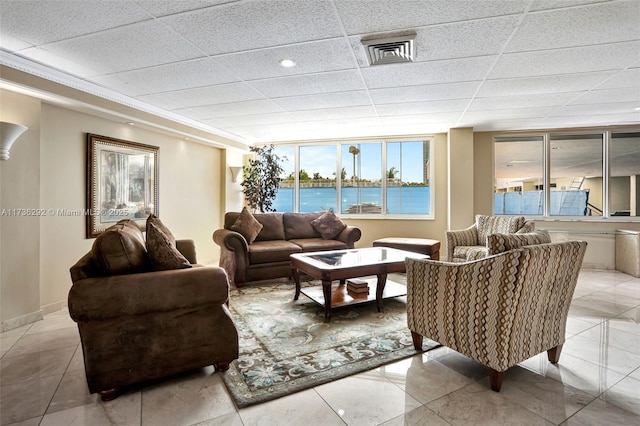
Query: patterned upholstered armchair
[[471, 243], [499, 310]]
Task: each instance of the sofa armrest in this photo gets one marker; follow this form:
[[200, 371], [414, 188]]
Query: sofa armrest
[[461, 237], [188, 250], [101, 298], [349, 236], [230, 240]]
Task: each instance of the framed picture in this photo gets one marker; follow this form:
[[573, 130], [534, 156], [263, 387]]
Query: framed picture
[[122, 182]]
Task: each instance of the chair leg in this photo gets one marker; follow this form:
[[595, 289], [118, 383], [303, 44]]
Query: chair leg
[[495, 377], [110, 395], [553, 354], [221, 366], [417, 340]]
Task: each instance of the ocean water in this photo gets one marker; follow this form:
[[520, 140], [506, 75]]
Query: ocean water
[[400, 200]]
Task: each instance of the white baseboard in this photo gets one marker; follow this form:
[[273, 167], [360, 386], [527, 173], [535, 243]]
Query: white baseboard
[[12, 323], [53, 307]]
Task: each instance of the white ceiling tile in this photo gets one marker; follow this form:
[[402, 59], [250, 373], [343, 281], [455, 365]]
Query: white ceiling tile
[[599, 23], [626, 78], [503, 114], [252, 120], [523, 101], [60, 63], [254, 24], [419, 73], [559, 4], [125, 48], [564, 61], [212, 95], [50, 21], [360, 17], [321, 56], [175, 76], [335, 113], [329, 82], [597, 109], [169, 7], [431, 92], [159, 101], [539, 85], [324, 100], [410, 108], [438, 117], [234, 109], [12, 44], [606, 95]]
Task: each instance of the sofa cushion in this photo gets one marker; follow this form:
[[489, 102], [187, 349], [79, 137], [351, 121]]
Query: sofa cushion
[[318, 244], [271, 251], [487, 225], [298, 225], [272, 226], [461, 252], [498, 243], [162, 249], [120, 249], [247, 225], [328, 225]]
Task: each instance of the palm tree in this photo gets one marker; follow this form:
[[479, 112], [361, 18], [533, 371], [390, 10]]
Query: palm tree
[[355, 151]]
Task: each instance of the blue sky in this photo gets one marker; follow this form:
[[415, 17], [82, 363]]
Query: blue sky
[[322, 159]]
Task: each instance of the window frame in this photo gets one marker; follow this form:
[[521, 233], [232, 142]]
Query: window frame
[[546, 172], [383, 141]]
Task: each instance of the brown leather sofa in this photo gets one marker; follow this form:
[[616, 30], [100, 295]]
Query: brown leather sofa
[[138, 323], [282, 234]]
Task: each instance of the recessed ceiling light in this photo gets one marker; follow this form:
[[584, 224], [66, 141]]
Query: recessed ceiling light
[[637, 109], [131, 123], [287, 63]]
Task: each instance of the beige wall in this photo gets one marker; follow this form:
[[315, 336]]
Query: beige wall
[[47, 171], [20, 188]]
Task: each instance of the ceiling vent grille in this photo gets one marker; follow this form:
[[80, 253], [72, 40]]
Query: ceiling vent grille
[[390, 50]]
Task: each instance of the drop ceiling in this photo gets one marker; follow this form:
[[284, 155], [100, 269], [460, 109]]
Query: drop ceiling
[[490, 65]]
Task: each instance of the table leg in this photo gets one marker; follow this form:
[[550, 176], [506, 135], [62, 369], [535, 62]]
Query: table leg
[[326, 290], [382, 281], [296, 278]]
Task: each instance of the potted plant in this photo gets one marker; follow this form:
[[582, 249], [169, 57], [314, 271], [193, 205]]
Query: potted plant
[[261, 179]]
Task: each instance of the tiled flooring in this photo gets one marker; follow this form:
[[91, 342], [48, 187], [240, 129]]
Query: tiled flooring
[[597, 381]]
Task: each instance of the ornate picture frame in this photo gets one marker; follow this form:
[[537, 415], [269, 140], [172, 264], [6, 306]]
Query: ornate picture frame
[[122, 182]]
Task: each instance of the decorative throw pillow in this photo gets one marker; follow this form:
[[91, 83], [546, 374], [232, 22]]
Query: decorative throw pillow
[[120, 249], [328, 225], [153, 219], [162, 249], [247, 225], [498, 243]]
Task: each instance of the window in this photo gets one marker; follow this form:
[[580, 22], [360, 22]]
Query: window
[[624, 183], [375, 178], [567, 175]]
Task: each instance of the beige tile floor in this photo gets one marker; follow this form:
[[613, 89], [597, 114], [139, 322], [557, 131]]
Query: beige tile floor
[[597, 381]]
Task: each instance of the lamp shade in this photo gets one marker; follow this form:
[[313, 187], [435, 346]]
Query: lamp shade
[[9, 132]]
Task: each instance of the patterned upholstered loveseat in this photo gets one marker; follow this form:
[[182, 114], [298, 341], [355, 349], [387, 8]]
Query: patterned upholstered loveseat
[[499, 310], [471, 243]]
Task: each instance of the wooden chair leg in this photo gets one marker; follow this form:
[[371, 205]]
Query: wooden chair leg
[[417, 340], [221, 366], [495, 377], [553, 354], [110, 395]]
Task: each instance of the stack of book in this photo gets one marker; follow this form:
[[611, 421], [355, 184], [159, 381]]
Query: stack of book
[[357, 287]]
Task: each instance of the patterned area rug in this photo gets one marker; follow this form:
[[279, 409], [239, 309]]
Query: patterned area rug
[[286, 347]]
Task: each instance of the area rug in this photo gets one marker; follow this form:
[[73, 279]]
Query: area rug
[[286, 347]]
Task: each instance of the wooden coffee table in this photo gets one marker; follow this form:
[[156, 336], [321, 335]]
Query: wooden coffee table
[[339, 265]]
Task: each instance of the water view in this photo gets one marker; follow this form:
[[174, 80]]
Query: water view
[[400, 199]]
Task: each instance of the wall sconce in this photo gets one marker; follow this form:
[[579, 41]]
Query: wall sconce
[[235, 172], [9, 132]]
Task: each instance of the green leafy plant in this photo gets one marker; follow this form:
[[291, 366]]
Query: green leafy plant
[[261, 178]]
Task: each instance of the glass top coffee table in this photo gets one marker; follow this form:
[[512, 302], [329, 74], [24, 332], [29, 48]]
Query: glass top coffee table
[[339, 265]]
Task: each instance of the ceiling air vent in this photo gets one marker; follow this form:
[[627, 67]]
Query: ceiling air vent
[[390, 50]]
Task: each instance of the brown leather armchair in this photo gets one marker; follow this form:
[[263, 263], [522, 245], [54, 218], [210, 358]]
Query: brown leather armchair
[[149, 324]]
